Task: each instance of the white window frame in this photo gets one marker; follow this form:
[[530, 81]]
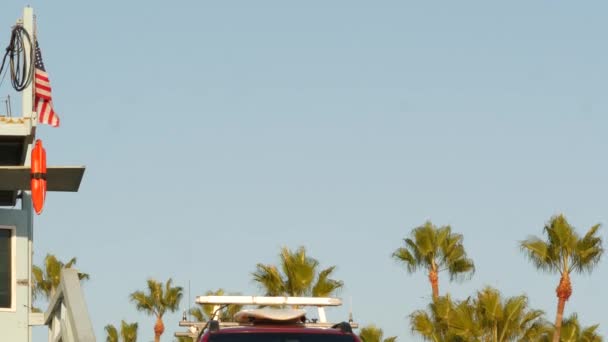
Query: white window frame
[[13, 231]]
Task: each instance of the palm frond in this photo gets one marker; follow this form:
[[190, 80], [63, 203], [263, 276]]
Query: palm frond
[[299, 270], [407, 258], [70, 263], [540, 331], [371, 333], [199, 314], [422, 324], [128, 331], [143, 302], [572, 331], [426, 241], [324, 286], [419, 257], [41, 286], [489, 305], [269, 278], [53, 270], [589, 251], [172, 296], [538, 252], [461, 268], [589, 334], [462, 323], [83, 276], [296, 275], [46, 279], [111, 333]]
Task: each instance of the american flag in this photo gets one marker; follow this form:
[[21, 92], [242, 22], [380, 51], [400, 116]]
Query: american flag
[[42, 85]]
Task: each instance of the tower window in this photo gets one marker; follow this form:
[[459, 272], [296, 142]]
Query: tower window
[[6, 268]]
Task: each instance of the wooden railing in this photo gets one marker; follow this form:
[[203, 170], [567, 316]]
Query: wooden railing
[[67, 316]]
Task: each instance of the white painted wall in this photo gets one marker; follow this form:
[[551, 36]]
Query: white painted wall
[[14, 323]]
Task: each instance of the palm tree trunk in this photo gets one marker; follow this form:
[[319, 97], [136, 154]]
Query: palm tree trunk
[[561, 303], [159, 328], [563, 290], [434, 279]]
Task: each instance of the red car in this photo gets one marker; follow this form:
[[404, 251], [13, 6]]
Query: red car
[[279, 332], [289, 323]]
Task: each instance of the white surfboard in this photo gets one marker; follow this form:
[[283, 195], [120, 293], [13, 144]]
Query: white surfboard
[[269, 314]]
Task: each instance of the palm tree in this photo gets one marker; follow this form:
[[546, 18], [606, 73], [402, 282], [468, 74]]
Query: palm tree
[[46, 279], [204, 312], [509, 319], [157, 301], [436, 323], [488, 317], [564, 252], [372, 333], [296, 275], [435, 249], [573, 332], [128, 332]]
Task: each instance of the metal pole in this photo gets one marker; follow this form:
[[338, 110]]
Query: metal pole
[[27, 97], [322, 316], [27, 94]]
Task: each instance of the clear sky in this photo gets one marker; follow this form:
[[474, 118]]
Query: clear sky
[[215, 132]]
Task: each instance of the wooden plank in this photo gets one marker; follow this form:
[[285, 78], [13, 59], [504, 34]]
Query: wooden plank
[[64, 178], [59, 178], [36, 318]]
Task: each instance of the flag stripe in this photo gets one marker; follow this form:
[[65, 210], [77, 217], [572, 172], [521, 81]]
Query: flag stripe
[[42, 92]]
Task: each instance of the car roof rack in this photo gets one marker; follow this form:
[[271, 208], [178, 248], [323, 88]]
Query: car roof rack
[[267, 300], [219, 302], [213, 326]]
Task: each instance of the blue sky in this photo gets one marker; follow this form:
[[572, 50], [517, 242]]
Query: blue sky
[[216, 132]]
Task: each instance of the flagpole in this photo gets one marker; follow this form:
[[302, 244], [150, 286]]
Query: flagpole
[[27, 108], [27, 96]]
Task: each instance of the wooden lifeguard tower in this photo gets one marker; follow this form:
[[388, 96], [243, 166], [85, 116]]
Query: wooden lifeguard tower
[[66, 317]]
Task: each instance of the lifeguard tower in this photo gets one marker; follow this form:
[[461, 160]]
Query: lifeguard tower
[[66, 316]]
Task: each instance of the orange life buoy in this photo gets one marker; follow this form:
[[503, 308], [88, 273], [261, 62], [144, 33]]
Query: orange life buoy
[[38, 176]]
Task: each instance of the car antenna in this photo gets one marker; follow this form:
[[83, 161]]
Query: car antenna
[[350, 311]]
